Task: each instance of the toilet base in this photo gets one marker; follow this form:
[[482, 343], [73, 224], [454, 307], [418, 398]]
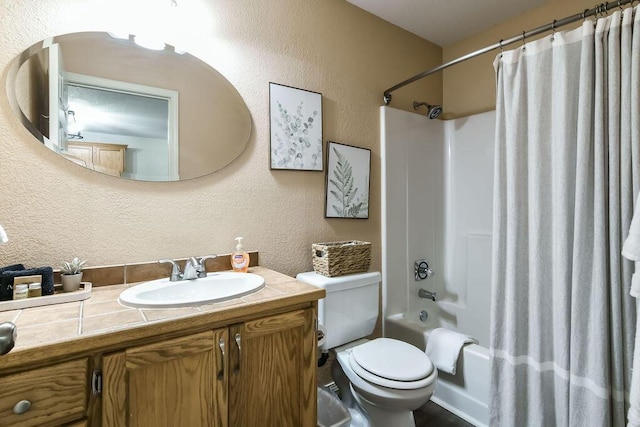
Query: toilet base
[[364, 413], [383, 418]]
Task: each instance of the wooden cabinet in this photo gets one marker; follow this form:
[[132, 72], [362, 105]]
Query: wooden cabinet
[[49, 396], [259, 372], [273, 380], [107, 158], [171, 383]]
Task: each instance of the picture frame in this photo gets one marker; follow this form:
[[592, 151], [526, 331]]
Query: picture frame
[[295, 118], [347, 181]]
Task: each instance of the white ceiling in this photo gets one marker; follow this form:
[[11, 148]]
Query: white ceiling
[[444, 22]]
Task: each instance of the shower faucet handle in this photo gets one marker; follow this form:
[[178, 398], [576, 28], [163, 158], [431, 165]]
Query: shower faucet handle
[[422, 270]]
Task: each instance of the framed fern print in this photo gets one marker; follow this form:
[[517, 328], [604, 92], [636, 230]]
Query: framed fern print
[[296, 128], [348, 170]]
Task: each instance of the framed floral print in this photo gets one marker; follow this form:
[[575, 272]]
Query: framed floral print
[[296, 128], [347, 186]]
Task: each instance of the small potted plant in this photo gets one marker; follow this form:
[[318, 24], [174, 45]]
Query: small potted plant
[[71, 274]]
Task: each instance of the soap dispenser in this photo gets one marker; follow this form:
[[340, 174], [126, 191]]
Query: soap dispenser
[[239, 258]]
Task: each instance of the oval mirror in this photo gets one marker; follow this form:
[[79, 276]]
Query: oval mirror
[[149, 113]]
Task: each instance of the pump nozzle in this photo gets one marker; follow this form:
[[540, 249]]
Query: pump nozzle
[[239, 244]]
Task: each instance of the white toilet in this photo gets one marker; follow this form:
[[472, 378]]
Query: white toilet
[[382, 380]]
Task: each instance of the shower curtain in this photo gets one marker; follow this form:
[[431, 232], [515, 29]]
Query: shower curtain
[[567, 170]]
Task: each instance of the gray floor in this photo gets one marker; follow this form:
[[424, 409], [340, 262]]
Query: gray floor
[[434, 415], [430, 414]]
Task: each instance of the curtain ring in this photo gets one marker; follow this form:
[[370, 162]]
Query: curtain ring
[[620, 5], [584, 15], [553, 30], [524, 41], [596, 16], [501, 48]]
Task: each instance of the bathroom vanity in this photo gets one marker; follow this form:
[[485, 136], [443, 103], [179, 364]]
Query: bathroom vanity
[[243, 362]]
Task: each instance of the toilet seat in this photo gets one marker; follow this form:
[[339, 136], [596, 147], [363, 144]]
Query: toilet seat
[[392, 363]]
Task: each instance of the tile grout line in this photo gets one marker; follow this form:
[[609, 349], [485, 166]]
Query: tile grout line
[[80, 319]]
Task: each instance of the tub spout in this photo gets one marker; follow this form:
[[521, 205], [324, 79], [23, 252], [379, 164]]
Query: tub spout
[[423, 293]]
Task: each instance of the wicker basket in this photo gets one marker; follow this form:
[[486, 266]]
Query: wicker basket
[[339, 258]]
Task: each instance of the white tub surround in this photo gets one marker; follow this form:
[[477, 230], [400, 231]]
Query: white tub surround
[[437, 189], [466, 393]]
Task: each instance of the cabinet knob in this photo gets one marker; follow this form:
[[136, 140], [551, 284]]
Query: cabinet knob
[[8, 335], [22, 407]]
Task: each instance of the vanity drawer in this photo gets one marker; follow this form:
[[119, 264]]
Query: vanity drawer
[[57, 394]]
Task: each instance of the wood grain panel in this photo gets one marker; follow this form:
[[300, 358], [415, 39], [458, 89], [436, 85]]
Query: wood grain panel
[[274, 324], [269, 388], [57, 394], [309, 389], [222, 373], [177, 382], [83, 423], [165, 351], [114, 390], [178, 392]]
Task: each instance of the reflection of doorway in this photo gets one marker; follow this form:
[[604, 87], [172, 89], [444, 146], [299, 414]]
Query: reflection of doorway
[[143, 118]]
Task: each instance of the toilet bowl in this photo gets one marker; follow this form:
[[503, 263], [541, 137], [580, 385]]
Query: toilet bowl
[[387, 379], [381, 381]]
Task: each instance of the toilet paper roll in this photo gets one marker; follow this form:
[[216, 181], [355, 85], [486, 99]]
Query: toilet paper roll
[[322, 332]]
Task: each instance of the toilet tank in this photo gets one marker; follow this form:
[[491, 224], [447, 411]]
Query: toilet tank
[[350, 309]]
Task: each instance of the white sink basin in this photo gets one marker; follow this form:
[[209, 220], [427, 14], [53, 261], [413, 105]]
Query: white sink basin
[[163, 293]]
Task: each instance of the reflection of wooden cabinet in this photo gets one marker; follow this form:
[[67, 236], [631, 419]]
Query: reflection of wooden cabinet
[[260, 372], [52, 395], [107, 158]]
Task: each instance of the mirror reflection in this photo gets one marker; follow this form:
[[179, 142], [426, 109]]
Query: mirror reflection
[[151, 114]]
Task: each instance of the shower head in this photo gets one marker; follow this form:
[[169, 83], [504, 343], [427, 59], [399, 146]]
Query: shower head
[[433, 111]]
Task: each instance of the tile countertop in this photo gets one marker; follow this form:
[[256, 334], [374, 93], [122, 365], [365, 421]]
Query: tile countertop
[[100, 321]]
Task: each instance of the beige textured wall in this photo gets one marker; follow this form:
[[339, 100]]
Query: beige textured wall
[[54, 210], [469, 87]]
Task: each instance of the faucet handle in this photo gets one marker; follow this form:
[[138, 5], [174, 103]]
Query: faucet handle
[[176, 274], [201, 268]]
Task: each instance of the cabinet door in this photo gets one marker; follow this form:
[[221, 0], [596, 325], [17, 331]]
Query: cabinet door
[[273, 371], [178, 382], [109, 156], [83, 152]]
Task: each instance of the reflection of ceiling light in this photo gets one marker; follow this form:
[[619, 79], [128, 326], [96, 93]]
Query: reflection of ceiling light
[[148, 42], [119, 35], [3, 235]]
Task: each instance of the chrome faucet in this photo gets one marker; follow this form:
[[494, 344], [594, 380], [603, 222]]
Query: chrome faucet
[[193, 269], [423, 293], [176, 274]]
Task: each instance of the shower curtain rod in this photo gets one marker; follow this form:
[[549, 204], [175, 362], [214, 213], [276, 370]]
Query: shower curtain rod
[[598, 10]]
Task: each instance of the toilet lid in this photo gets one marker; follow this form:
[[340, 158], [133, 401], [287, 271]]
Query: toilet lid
[[391, 363]]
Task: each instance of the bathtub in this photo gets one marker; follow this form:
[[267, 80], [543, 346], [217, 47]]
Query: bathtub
[[466, 394]]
